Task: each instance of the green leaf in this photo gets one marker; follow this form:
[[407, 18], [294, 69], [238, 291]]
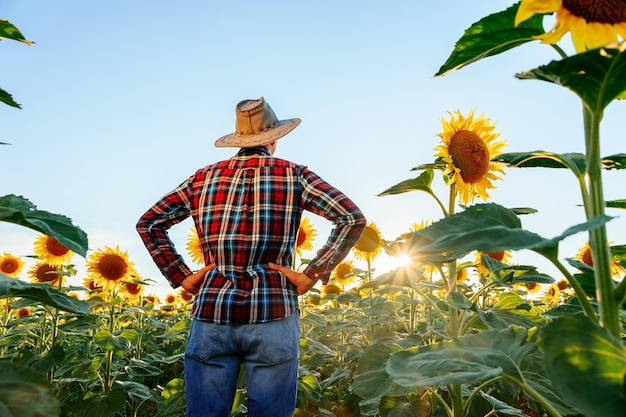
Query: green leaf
[[597, 76], [18, 210], [420, 183], [174, 387], [586, 365], [542, 159], [11, 287], [10, 31], [617, 161], [104, 405], [468, 359], [620, 204], [135, 390], [24, 392], [371, 379], [487, 228], [7, 98], [491, 36]]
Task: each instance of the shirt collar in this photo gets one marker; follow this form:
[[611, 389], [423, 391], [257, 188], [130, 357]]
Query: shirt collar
[[256, 150]]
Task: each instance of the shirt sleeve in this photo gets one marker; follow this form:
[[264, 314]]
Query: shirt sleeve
[[349, 222], [153, 229]]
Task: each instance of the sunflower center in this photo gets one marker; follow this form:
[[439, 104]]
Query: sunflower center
[[301, 237], [8, 266], [368, 242], [112, 267], [470, 154], [601, 11], [343, 269], [46, 273], [133, 288], [55, 248], [498, 256]]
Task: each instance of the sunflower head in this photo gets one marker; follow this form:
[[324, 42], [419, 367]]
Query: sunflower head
[[44, 273], [194, 248], [185, 295], [468, 146], [552, 296], [131, 291], [51, 251], [501, 256], [11, 265], [370, 244], [110, 267], [585, 256], [306, 236], [343, 273], [591, 23]]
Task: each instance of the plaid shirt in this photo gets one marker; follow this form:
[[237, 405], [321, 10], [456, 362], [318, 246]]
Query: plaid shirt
[[247, 212]]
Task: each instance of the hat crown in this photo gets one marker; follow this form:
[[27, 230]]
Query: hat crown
[[256, 124], [254, 116]]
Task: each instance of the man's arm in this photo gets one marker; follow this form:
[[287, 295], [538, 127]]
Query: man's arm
[[153, 229]]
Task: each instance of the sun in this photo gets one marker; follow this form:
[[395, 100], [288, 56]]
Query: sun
[[591, 23], [306, 236], [109, 267], [468, 146], [51, 251]]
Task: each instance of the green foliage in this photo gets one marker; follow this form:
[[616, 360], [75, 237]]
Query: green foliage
[[586, 365], [20, 211], [12, 288]]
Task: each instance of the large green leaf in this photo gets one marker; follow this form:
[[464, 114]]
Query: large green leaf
[[24, 392], [10, 31], [466, 360], [574, 161], [371, 379], [490, 36], [487, 228], [19, 210], [597, 76], [586, 365], [11, 287]]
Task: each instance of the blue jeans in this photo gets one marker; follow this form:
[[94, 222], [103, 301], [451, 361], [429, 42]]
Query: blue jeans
[[270, 354]]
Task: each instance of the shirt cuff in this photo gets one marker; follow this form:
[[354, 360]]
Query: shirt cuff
[[316, 274]]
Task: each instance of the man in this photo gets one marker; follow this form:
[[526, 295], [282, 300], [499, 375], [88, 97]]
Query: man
[[247, 212]]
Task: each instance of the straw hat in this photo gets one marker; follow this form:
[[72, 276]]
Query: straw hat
[[256, 125]]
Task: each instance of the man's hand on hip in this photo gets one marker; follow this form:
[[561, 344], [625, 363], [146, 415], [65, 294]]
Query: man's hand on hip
[[194, 281], [301, 281]]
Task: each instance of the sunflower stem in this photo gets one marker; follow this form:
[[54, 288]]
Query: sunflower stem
[[598, 241]]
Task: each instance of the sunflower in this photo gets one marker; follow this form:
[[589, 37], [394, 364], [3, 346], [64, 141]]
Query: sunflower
[[591, 23], [43, 272], [329, 289], [10, 265], [469, 145], [22, 312], [343, 273], [131, 291], [584, 255], [109, 267], [306, 235], [185, 295], [552, 295], [150, 299], [501, 256], [194, 249], [370, 244], [51, 251]]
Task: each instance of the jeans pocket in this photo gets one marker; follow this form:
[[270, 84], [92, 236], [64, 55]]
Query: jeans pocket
[[204, 341], [279, 340]]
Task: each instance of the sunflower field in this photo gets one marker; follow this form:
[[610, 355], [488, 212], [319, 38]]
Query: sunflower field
[[459, 330]]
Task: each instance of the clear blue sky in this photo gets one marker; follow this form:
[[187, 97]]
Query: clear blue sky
[[122, 100]]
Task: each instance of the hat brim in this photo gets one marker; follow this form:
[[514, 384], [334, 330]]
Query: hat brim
[[233, 140]]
